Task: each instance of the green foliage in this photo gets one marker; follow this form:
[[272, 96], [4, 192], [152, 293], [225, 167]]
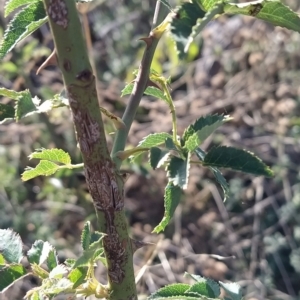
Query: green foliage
[[203, 289], [23, 24], [236, 159], [76, 277], [10, 246], [48, 164], [192, 17], [171, 200]]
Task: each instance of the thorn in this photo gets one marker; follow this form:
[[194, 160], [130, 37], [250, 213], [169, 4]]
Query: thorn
[[148, 40], [151, 83], [50, 61], [139, 244]]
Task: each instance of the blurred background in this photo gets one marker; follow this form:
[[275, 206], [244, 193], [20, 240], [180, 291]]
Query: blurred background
[[239, 66]]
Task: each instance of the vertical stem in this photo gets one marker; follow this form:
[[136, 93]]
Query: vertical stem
[[103, 180]]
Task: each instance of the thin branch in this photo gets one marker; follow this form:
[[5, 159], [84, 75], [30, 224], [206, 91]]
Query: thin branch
[[139, 86]]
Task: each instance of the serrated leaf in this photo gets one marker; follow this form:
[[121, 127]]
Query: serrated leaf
[[152, 140], [12, 5], [26, 105], [69, 262], [39, 252], [9, 93], [77, 276], [52, 259], [22, 25], [6, 112], [202, 289], [175, 289], [10, 274], [58, 272], [214, 10], [11, 246], [178, 171], [217, 173], [55, 155], [212, 122], [181, 25], [274, 12], [232, 289], [236, 159], [214, 286], [44, 168], [86, 236], [157, 157], [171, 200]]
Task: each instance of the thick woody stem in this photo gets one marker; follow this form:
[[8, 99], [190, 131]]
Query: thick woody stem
[[104, 182]]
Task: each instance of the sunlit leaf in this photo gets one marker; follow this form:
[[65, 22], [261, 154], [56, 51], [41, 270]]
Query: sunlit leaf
[[274, 12], [11, 246], [39, 252], [55, 155], [12, 5], [22, 25], [232, 289], [44, 168], [86, 236]]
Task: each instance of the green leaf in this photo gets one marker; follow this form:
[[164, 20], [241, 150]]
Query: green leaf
[[52, 259], [86, 236], [150, 91], [12, 5], [214, 286], [272, 11], [181, 26], [9, 93], [55, 155], [236, 159], [54, 286], [217, 173], [205, 125], [171, 200], [213, 11], [26, 105], [10, 274], [77, 276], [2, 260], [208, 4], [175, 289], [232, 289], [202, 289], [44, 168], [170, 144], [157, 157], [11, 246], [178, 171], [22, 25], [152, 140], [39, 252], [6, 112]]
